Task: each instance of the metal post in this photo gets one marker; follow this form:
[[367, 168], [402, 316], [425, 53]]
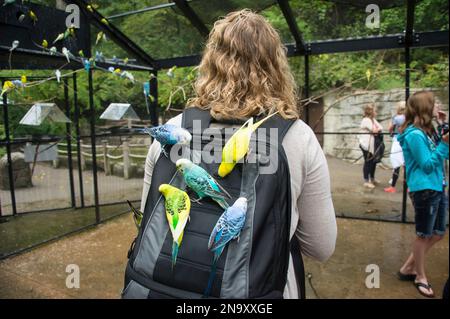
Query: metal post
[[69, 143], [93, 147], [77, 129], [409, 35], [307, 87], [407, 84], [154, 103], [8, 153], [126, 159]]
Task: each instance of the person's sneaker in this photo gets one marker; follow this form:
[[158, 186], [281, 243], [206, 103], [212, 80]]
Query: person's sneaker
[[390, 190], [376, 182], [369, 185]]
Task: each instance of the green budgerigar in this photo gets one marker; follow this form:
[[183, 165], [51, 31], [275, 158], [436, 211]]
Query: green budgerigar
[[178, 206]]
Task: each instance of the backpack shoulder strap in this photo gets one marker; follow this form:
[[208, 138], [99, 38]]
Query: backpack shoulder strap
[[194, 113], [299, 268], [283, 126]]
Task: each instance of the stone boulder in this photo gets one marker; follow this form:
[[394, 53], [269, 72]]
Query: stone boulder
[[21, 171]]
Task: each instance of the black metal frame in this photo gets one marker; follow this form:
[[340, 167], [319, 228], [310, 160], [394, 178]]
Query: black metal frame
[[7, 142], [8, 152], [22, 60], [115, 34], [293, 27], [409, 41], [69, 143], [77, 129], [192, 17]]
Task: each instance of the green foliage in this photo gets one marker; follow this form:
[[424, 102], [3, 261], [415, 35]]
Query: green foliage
[[166, 33]]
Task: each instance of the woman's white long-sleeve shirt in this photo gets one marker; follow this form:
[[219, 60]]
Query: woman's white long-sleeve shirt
[[367, 141], [313, 219]]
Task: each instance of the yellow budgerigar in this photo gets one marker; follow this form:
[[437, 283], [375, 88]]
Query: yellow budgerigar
[[7, 87], [33, 16], [237, 146], [178, 206]]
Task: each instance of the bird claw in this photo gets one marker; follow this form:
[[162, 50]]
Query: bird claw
[[197, 201], [163, 150]]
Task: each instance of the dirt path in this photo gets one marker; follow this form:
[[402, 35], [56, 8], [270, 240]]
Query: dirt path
[[101, 255], [351, 199]]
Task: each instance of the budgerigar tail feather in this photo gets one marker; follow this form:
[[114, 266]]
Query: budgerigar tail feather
[[222, 202], [212, 274], [223, 189], [137, 215], [149, 131], [175, 247], [259, 123]]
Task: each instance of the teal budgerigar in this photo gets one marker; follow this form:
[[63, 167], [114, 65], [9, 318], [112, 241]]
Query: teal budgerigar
[[227, 228], [203, 184]]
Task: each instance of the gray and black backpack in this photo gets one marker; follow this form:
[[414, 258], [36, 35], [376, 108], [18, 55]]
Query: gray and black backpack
[[253, 267]]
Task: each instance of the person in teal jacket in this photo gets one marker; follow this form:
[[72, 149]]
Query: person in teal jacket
[[424, 152]]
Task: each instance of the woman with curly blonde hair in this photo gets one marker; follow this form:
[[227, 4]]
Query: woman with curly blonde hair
[[244, 72]]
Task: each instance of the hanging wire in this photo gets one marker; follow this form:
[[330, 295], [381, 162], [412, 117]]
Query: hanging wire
[[309, 277]]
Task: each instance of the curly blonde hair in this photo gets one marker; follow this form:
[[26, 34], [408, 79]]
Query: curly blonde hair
[[244, 70]]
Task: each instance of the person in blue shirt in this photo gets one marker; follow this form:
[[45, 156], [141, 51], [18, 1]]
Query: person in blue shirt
[[424, 163], [396, 155]]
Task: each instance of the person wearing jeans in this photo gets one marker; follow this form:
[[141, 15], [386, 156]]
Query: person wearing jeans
[[424, 161], [396, 155], [370, 128]]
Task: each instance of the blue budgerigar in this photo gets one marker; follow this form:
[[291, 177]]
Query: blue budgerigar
[[203, 184], [169, 134], [227, 228]]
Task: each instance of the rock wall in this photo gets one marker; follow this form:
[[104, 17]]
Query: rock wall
[[345, 114]]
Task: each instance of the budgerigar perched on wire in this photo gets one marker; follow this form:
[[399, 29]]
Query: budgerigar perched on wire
[[227, 228], [33, 17], [169, 134], [8, 2], [59, 38], [237, 146], [66, 54], [178, 206], [15, 45], [203, 184], [7, 87]]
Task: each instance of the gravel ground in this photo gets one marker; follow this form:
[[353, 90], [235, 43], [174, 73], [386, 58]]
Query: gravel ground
[[101, 253]]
